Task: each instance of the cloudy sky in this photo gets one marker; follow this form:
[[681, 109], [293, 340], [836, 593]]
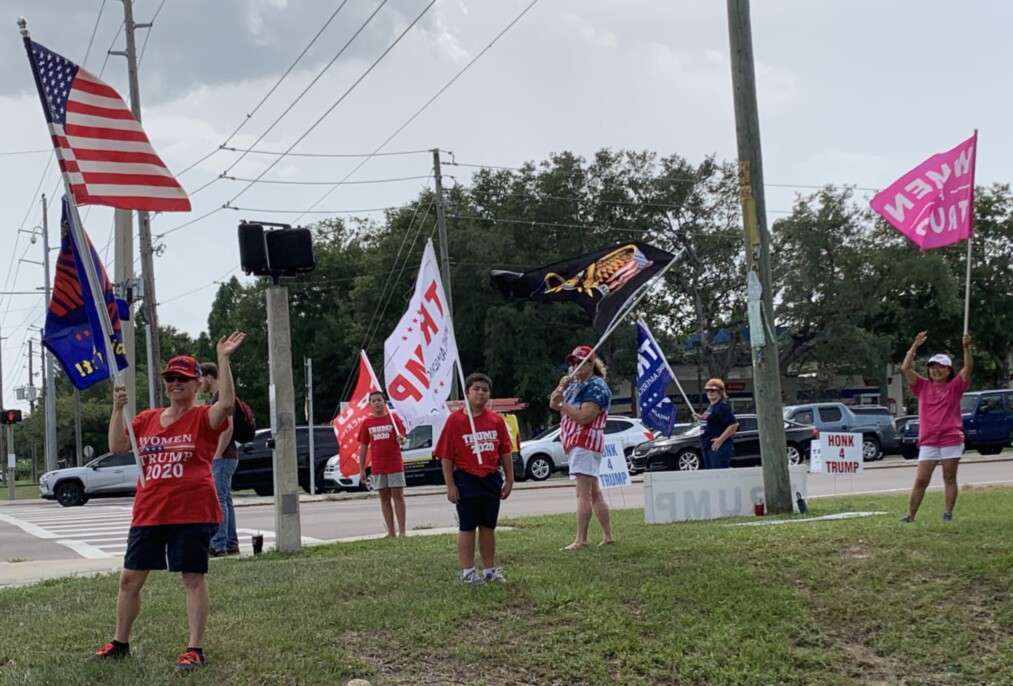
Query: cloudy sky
[[850, 91]]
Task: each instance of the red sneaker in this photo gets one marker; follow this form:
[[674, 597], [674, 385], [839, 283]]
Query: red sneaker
[[189, 661], [111, 650]]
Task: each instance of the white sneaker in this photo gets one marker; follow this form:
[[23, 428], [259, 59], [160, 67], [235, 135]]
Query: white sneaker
[[473, 578], [494, 576]]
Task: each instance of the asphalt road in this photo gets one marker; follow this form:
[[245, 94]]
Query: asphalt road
[[47, 531]]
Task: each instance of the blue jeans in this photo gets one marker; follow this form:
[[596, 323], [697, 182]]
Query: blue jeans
[[226, 537], [720, 458]]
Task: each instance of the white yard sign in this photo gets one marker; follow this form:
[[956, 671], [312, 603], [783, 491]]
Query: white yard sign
[[613, 471], [841, 453]]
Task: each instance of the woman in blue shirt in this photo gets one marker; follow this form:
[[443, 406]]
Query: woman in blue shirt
[[718, 424]]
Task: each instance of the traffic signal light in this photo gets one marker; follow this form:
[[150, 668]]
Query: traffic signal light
[[11, 416]]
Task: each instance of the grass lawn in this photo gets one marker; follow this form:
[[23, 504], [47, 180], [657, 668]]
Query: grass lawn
[[23, 490], [854, 601]]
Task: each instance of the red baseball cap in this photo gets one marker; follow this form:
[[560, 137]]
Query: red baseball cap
[[581, 352], [182, 364]]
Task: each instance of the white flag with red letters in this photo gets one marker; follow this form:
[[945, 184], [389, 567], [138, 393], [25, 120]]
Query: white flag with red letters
[[419, 356]]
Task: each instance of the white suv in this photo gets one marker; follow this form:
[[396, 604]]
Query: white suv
[[543, 455], [109, 476]]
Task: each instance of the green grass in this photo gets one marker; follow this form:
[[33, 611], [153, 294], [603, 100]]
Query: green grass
[[857, 601], [23, 490]]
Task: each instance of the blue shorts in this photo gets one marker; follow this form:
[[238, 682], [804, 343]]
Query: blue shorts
[[479, 498], [178, 547]]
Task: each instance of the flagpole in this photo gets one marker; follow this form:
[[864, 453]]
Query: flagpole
[[467, 406], [77, 231], [667, 366], [970, 239]]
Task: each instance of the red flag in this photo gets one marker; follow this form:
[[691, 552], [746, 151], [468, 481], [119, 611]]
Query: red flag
[[346, 424], [101, 147]]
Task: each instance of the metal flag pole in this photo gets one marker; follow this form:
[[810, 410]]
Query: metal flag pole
[[970, 240]]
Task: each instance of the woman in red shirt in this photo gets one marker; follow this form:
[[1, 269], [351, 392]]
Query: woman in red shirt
[[940, 425], [176, 512]]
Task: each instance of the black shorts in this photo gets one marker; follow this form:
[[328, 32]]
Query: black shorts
[[178, 547], [479, 500]]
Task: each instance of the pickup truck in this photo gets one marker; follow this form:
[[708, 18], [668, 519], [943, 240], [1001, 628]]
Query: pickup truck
[[988, 420], [839, 417]]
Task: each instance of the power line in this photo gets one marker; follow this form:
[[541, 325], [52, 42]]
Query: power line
[[362, 211], [325, 183], [326, 154], [24, 152], [346, 93], [151, 23], [268, 95], [423, 108]]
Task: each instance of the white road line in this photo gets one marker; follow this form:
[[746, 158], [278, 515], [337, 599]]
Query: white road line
[[86, 550], [27, 527]]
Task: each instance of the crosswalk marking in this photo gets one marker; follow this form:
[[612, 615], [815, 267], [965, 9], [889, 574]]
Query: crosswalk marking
[[99, 531]]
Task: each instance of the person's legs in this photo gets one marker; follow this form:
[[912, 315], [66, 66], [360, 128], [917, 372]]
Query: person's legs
[[128, 602], [922, 478], [601, 512], [584, 507], [231, 537], [197, 604], [705, 458], [487, 547], [397, 499], [466, 548], [388, 512], [950, 484], [223, 486]]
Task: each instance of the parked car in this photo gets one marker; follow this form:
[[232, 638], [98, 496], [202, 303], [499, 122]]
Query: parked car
[[543, 455], [256, 459], [683, 452], [839, 417], [909, 439], [988, 420], [113, 475], [888, 434]]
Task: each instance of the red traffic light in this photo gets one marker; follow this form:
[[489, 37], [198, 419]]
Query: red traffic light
[[11, 416]]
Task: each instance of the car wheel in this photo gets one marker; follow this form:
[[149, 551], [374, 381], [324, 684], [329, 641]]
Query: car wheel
[[70, 494], [689, 460], [870, 449], [909, 453], [539, 468], [795, 455], [367, 485], [990, 450], [264, 490]]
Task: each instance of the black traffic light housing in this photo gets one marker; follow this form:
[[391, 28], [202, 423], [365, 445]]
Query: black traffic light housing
[[11, 417], [279, 252]]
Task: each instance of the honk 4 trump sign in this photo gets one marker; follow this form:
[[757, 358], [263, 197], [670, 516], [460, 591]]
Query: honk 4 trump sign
[[839, 454], [933, 203]]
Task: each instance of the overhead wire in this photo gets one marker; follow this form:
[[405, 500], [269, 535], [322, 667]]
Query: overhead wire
[[287, 182], [421, 109]]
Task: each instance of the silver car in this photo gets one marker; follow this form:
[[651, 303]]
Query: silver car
[[543, 454], [109, 476]]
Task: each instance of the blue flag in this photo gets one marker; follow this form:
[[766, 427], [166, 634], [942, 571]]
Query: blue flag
[[653, 376], [72, 322]]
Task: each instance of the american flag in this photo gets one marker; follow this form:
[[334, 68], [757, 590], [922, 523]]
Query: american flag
[[100, 145]]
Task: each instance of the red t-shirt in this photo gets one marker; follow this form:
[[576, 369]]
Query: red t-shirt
[[457, 441], [384, 451], [179, 487], [939, 422]]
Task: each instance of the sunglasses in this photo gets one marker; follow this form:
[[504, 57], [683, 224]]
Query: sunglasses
[[176, 378], [712, 390]]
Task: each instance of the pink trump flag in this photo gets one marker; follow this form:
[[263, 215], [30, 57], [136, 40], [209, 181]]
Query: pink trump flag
[[933, 203]]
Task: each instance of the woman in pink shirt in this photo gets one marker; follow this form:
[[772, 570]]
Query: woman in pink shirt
[[940, 425]]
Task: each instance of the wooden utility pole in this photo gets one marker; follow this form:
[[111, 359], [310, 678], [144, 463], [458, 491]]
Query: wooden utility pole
[[150, 302], [286, 468], [441, 226], [760, 300]]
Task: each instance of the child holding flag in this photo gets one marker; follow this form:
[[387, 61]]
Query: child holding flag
[[383, 435]]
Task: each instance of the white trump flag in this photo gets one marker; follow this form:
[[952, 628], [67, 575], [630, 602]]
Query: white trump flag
[[419, 356]]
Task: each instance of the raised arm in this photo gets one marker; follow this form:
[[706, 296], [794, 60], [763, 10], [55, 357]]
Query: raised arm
[[119, 442], [222, 409], [905, 368], [965, 371]]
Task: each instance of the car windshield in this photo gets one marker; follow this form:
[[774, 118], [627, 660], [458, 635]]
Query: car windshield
[[968, 403], [545, 434]]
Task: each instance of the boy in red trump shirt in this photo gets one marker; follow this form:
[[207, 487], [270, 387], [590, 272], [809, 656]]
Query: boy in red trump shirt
[[472, 476], [383, 434]]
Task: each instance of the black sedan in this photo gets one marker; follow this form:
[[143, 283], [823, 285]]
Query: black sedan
[[682, 452]]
